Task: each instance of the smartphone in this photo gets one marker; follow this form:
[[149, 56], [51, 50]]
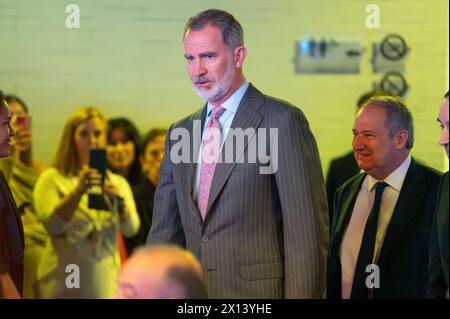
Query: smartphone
[[97, 160], [23, 122]]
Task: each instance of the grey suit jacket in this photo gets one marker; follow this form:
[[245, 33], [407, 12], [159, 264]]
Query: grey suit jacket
[[265, 235]]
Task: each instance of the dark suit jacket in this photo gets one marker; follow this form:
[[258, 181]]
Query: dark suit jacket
[[438, 268], [403, 259], [11, 239], [265, 235], [341, 170]]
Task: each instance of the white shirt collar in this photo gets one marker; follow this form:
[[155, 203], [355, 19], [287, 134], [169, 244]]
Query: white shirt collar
[[232, 103], [396, 178]]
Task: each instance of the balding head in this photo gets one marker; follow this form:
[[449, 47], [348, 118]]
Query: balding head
[[162, 272]]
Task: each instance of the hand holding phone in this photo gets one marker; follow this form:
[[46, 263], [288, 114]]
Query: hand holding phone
[[97, 160]]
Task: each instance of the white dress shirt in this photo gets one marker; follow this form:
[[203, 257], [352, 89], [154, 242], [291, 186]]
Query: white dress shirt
[[352, 238]]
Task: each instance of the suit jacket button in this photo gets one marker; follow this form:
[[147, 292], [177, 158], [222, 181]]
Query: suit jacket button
[[205, 238]]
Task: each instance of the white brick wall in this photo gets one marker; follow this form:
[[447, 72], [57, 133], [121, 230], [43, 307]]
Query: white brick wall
[[127, 59]]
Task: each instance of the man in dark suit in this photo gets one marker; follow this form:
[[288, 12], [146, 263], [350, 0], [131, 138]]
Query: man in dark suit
[[343, 168], [259, 232], [379, 242], [11, 230], [438, 268]]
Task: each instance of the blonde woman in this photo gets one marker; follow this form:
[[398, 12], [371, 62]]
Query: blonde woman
[[81, 257]]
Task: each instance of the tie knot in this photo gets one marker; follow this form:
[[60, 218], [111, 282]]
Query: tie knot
[[217, 111], [379, 188]]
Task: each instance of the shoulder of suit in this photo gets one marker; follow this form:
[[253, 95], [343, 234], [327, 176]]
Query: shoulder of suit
[[348, 184], [428, 172], [280, 105], [343, 160]]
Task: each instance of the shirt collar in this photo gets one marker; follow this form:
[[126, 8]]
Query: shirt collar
[[232, 103], [396, 178]]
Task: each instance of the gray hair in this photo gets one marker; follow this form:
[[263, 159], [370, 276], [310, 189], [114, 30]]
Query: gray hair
[[230, 28], [398, 117]]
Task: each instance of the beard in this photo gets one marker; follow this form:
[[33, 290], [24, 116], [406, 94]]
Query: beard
[[218, 88]]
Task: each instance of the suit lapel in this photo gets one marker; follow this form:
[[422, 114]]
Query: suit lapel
[[189, 169], [410, 193], [247, 116], [345, 214]]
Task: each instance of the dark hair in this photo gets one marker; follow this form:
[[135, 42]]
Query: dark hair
[[367, 96], [230, 28], [2, 99], [133, 135], [188, 279], [398, 117], [13, 98], [150, 136]]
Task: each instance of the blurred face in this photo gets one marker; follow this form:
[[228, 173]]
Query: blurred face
[[374, 148], [17, 111], [6, 131], [120, 150], [443, 120], [140, 280], [152, 157], [211, 64], [89, 134]]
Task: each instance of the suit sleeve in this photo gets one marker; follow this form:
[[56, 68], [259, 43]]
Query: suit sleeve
[[331, 188], [303, 201], [166, 222], [437, 287]]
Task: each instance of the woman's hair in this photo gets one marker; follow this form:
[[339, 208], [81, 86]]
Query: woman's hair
[[132, 134], [13, 98], [150, 136], [2, 100], [66, 158]]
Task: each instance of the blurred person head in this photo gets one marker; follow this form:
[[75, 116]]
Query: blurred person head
[[443, 121], [152, 153], [383, 135], [6, 131], [215, 53], [123, 149], [85, 130], [161, 272], [18, 108]]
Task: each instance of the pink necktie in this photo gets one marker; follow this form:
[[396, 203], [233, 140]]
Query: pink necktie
[[210, 153]]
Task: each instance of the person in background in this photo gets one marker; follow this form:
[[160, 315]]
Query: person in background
[[123, 148], [11, 231], [22, 172], [345, 167], [124, 142], [438, 267], [162, 272], [152, 152], [81, 259]]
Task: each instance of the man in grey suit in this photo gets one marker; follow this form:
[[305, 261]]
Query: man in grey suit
[[259, 232]]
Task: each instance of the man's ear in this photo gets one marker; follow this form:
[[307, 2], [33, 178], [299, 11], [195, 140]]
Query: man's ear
[[400, 139], [239, 55]]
